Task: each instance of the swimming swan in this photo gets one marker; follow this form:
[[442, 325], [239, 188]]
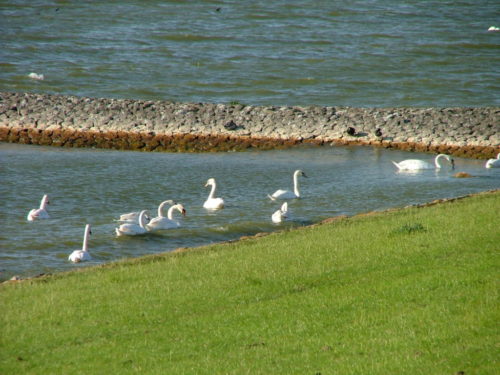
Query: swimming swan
[[132, 229], [281, 214], [133, 217], [493, 163], [287, 194], [83, 254], [39, 213], [417, 164], [162, 222], [213, 203]]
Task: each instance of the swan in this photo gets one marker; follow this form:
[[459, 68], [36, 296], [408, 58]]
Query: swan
[[132, 229], [83, 254], [281, 214], [133, 217], [417, 164], [39, 213], [493, 163], [287, 194], [213, 203], [162, 222]]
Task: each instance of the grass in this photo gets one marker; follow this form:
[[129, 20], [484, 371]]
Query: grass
[[413, 291]]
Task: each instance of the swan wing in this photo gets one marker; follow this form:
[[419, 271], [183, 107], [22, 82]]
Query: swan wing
[[130, 230], [283, 194], [214, 203], [413, 164], [38, 213], [159, 223], [129, 217]]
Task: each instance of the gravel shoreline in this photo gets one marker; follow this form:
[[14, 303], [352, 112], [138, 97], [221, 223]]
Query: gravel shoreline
[[72, 121]]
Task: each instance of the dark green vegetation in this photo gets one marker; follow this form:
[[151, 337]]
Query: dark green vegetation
[[413, 291]]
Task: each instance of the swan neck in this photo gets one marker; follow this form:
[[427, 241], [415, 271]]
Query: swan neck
[[296, 184], [85, 239], [142, 220], [212, 191], [43, 203], [170, 213]]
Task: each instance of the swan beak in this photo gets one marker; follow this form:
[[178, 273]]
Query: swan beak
[[452, 164], [183, 212]]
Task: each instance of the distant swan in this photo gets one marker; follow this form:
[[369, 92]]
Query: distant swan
[[132, 229], [417, 164], [213, 203], [493, 163], [281, 214], [39, 213], [162, 222], [287, 194], [83, 254], [133, 217]]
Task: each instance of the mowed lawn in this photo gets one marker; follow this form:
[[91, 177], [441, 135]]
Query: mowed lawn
[[412, 291]]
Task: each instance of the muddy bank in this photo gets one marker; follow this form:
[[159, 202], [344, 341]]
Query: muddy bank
[[70, 121]]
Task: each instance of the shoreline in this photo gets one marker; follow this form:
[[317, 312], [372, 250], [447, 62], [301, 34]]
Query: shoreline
[[70, 121]]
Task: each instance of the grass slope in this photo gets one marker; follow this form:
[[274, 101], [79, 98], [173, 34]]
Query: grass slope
[[413, 291]]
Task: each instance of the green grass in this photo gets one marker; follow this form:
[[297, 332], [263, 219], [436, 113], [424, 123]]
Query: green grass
[[413, 291]]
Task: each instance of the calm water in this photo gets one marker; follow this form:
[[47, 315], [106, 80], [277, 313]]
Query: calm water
[[94, 186], [293, 52]]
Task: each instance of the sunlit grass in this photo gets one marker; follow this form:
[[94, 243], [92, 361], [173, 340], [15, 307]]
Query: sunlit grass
[[407, 292]]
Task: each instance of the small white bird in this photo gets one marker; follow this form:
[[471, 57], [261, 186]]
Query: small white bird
[[133, 229], [493, 163], [213, 203], [417, 164], [39, 213], [83, 254], [493, 28], [38, 77], [287, 194], [281, 214], [161, 222]]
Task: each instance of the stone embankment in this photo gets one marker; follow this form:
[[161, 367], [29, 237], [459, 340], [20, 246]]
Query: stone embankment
[[71, 121]]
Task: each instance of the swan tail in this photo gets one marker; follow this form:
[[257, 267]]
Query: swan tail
[[271, 197], [396, 164]]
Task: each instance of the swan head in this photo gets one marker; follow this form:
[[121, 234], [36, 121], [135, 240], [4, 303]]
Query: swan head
[[210, 181], [298, 172], [87, 229], [45, 199], [181, 209]]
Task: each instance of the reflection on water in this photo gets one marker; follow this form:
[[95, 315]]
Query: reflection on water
[[96, 186]]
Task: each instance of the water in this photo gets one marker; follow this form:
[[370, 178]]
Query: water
[[96, 186], [356, 53]]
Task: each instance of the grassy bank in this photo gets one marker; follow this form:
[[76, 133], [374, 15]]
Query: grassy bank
[[406, 292]]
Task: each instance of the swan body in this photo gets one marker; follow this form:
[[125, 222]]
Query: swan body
[[83, 254], [134, 229], [213, 203], [493, 163], [281, 214], [417, 164], [162, 222], [133, 217], [39, 213], [287, 194]]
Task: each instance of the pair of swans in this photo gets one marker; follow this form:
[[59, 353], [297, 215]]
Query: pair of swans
[[417, 164], [82, 254], [493, 163], [137, 223], [41, 212]]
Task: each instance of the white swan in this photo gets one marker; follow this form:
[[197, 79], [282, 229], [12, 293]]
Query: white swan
[[83, 254], [281, 214], [132, 229], [162, 222], [133, 217], [213, 203], [287, 194], [39, 213], [493, 163], [417, 164]]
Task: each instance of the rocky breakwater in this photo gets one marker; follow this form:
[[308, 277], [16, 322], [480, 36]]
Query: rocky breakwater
[[71, 121]]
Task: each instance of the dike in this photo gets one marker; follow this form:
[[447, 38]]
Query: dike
[[70, 121]]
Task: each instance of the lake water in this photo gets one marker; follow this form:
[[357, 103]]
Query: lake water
[[96, 186], [356, 53]]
